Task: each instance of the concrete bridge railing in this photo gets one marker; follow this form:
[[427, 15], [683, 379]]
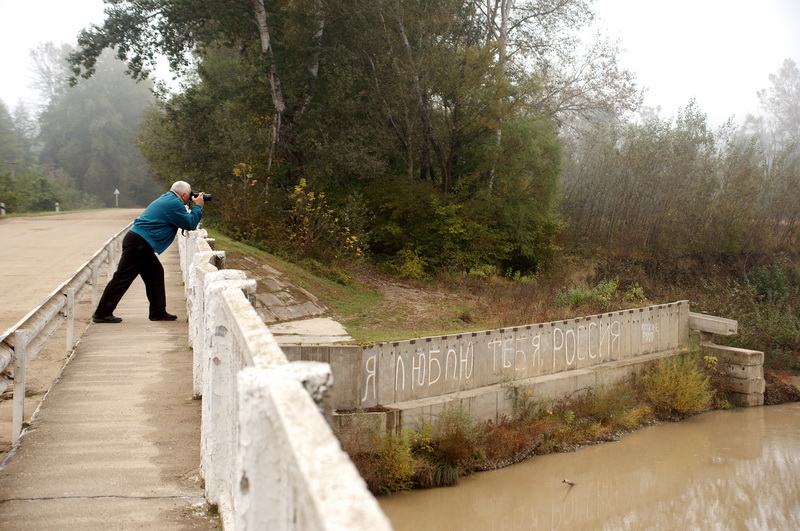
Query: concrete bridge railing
[[20, 344], [268, 455]]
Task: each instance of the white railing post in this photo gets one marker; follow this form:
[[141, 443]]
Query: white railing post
[[70, 319], [21, 338], [195, 301], [111, 265], [276, 484], [263, 486], [112, 258], [95, 284], [218, 378]]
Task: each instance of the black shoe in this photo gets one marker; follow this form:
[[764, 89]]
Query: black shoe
[[163, 317], [106, 319]]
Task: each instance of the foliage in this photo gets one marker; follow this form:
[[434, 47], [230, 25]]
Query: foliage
[[678, 386], [454, 437], [416, 107], [315, 229], [769, 283], [602, 295], [395, 463], [673, 187], [453, 444]]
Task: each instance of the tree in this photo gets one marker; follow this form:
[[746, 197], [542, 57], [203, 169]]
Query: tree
[[777, 134], [11, 152], [50, 70], [87, 132], [26, 129], [451, 104]]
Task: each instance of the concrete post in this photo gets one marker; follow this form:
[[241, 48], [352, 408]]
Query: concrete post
[[317, 379], [70, 319], [277, 485], [95, 284], [219, 386], [21, 339]]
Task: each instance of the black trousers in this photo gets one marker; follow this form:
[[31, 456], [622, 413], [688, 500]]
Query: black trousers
[[138, 258]]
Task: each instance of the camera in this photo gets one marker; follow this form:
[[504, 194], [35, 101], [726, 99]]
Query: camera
[[206, 197]]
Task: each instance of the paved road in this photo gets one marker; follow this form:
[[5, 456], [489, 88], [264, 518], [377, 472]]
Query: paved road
[[41, 252]]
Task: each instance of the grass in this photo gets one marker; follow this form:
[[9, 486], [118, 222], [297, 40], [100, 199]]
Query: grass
[[359, 302]]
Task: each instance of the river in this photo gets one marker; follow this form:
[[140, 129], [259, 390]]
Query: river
[[722, 470]]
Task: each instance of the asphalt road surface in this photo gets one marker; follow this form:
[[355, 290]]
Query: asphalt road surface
[[40, 252]]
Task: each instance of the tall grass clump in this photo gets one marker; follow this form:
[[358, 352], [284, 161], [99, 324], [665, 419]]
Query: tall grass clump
[[678, 386]]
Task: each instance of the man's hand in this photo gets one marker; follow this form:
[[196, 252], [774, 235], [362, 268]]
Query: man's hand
[[198, 200]]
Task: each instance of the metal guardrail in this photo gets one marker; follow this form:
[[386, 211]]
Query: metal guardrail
[[20, 344]]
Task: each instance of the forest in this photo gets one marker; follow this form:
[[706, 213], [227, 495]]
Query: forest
[[428, 137]]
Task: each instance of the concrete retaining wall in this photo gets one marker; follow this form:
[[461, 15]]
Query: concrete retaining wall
[[430, 367], [268, 455], [416, 379], [434, 366]]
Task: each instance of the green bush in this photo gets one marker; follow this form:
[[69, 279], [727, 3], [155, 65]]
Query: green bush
[[678, 386], [602, 294], [409, 265], [770, 283], [396, 464], [454, 437]]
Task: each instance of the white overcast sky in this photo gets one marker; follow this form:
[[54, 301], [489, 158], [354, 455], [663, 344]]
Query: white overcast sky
[[718, 52]]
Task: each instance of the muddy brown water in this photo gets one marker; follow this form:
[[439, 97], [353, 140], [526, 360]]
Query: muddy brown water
[[723, 470]]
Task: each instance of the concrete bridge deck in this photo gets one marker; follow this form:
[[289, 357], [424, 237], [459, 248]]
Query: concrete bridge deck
[[115, 444]]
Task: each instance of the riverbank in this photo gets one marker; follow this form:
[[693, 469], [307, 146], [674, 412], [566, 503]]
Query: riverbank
[[375, 306]]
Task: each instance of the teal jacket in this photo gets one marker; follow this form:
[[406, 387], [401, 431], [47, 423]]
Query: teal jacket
[[160, 221]]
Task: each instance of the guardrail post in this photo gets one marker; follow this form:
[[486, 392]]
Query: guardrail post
[[110, 270], [21, 338], [112, 259], [95, 284], [70, 319]]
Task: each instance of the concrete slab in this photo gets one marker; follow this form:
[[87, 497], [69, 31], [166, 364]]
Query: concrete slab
[[317, 326]]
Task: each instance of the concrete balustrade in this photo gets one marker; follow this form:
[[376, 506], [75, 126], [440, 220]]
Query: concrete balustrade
[[268, 455]]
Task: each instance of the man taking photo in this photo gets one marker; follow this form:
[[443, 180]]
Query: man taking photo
[[152, 233]]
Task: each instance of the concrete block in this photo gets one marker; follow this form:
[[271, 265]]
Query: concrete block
[[370, 375], [292, 352], [745, 372], [712, 324], [733, 355], [624, 337], [554, 386], [748, 400], [345, 364], [611, 373], [637, 317], [752, 386]]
